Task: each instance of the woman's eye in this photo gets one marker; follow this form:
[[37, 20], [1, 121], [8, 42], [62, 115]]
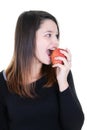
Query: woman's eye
[[48, 35]]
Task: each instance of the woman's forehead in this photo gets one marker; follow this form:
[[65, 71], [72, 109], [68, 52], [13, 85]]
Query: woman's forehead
[[48, 25]]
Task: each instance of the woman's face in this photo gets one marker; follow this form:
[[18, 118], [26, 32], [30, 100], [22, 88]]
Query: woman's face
[[46, 41]]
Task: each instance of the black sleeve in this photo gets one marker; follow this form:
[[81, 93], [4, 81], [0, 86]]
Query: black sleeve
[[71, 113], [3, 118], [3, 111]]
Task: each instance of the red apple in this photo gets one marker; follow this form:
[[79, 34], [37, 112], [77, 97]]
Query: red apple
[[56, 53]]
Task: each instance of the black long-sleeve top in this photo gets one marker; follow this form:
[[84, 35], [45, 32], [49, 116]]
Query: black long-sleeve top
[[51, 110]]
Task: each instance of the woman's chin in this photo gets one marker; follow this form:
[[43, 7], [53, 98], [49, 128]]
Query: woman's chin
[[48, 62]]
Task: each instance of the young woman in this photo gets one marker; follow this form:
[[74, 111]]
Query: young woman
[[34, 94]]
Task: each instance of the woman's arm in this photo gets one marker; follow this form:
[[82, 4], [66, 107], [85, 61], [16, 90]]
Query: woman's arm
[[3, 117], [71, 114], [3, 111]]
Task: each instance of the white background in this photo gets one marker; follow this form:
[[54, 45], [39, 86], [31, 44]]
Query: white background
[[72, 18]]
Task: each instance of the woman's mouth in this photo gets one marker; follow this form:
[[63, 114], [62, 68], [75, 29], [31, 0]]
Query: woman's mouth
[[49, 51]]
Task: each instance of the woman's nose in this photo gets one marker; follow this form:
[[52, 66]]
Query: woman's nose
[[55, 42]]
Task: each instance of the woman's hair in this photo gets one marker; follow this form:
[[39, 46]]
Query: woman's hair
[[19, 70]]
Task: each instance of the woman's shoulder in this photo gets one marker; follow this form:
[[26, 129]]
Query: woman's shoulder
[[2, 77], [3, 84]]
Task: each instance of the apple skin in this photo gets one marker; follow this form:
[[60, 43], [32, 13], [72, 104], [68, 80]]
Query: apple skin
[[56, 53]]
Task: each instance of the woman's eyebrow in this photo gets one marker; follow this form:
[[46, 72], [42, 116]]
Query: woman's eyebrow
[[49, 31]]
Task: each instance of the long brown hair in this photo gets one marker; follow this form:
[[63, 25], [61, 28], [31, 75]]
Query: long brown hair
[[19, 69]]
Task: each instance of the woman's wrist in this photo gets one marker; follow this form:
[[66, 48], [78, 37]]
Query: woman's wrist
[[63, 85]]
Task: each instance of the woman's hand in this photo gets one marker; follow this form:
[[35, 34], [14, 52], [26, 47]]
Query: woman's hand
[[62, 70]]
